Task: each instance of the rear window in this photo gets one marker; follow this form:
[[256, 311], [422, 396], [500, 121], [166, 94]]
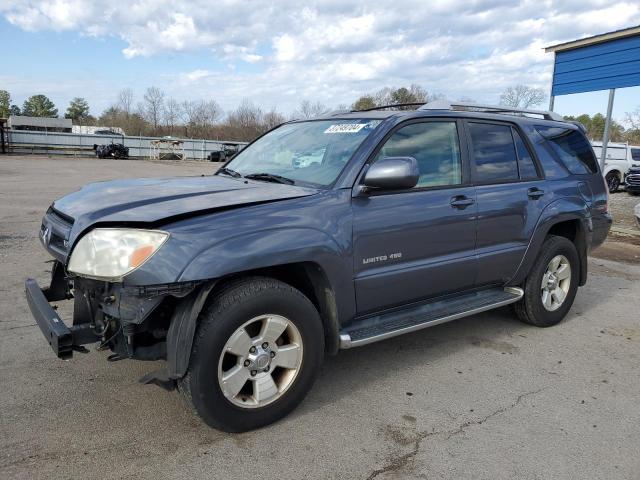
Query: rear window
[[571, 147]]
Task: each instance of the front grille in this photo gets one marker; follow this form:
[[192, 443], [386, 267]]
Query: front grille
[[55, 231], [633, 179]]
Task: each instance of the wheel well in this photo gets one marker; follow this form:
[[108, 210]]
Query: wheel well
[[573, 231], [568, 229], [616, 172], [310, 279]]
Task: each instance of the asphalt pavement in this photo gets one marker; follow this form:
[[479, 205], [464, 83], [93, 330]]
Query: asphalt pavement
[[485, 397]]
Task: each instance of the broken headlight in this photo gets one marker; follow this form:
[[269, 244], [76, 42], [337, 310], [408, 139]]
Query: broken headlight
[[112, 253]]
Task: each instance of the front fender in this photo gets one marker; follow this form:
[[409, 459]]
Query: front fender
[[276, 247], [615, 170]]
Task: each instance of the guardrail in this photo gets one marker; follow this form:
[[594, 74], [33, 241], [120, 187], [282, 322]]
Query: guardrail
[[80, 144]]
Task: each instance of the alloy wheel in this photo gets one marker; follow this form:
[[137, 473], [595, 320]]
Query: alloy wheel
[[260, 361], [555, 283]]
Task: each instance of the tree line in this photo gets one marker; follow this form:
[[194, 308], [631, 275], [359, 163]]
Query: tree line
[[157, 114]]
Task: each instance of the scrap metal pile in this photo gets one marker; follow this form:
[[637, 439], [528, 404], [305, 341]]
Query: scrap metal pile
[[113, 150]]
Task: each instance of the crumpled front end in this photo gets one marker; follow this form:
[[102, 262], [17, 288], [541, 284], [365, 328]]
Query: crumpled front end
[[131, 321]]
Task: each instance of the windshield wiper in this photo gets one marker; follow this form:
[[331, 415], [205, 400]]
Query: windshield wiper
[[270, 177], [228, 171]]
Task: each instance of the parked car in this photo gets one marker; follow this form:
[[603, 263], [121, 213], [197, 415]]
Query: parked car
[[242, 281], [620, 158], [227, 151], [632, 180]]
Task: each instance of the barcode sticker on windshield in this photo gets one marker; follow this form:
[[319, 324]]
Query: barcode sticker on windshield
[[346, 128]]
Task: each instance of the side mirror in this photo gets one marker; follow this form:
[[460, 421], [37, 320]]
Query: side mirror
[[392, 173]]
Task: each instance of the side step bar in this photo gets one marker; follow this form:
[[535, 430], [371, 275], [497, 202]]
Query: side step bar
[[391, 324]]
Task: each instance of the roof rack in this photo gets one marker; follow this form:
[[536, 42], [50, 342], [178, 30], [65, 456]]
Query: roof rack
[[475, 107], [381, 107]]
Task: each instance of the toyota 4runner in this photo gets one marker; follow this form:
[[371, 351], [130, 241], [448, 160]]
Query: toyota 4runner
[[403, 219]]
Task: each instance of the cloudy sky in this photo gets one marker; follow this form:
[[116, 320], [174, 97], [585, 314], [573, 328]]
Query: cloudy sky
[[278, 53]]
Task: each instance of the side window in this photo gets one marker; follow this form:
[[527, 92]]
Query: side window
[[493, 152], [571, 147], [434, 145], [525, 163], [635, 154]]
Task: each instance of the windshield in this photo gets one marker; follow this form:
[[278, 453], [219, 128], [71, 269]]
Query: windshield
[[313, 152]]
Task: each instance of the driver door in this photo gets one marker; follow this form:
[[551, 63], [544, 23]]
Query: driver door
[[415, 244]]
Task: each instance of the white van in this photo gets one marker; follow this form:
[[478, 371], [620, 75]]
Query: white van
[[620, 157]]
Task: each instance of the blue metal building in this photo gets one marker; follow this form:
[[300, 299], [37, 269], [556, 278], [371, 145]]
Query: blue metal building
[[602, 62]]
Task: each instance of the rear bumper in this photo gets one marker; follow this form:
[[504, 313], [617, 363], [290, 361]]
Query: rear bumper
[[62, 339], [601, 226]]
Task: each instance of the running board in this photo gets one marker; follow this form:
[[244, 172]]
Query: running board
[[391, 324]]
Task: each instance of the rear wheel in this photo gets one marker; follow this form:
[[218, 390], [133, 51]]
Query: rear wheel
[[613, 181], [550, 288], [257, 351]]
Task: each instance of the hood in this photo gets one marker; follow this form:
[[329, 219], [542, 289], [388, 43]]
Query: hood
[[152, 200]]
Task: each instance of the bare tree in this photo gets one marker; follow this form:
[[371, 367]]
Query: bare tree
[[522, 96], [245, 122], [172, 113], [211, 112], [308, 109], [633, 119], [125, 101], [153, 106], [200, 116], [272, 119]]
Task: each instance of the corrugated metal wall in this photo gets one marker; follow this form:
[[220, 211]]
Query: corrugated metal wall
[[24, 141], [615, 64]]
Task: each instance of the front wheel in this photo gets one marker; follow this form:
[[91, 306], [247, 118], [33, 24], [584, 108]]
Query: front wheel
[[552, 284], [258, 349], [613, 182]]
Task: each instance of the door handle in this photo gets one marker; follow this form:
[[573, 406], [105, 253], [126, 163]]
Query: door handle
[[535, 193], [461, 202]]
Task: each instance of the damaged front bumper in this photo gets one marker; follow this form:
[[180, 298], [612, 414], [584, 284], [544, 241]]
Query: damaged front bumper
[[63, 340], [131, 321]]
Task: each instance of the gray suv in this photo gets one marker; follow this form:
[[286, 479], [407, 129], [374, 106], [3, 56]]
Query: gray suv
[[322, 235]]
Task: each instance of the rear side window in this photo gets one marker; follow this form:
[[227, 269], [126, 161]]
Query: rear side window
[[493, 152], [571, 147], [525, 162]]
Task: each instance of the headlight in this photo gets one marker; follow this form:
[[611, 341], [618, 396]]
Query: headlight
[[112, 253]]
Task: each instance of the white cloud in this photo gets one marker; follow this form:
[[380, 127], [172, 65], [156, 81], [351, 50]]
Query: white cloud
[[335, 50]]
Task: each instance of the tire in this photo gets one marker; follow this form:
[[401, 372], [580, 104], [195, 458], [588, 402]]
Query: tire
[[613, 181], [246, 305], [531, 309]]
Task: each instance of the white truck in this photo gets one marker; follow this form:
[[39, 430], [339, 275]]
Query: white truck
[[620, 157]]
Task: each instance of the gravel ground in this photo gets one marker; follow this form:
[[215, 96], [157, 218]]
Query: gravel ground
[[484, 397], [621, 205]]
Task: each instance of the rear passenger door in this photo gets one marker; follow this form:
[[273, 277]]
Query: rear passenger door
[[510, 196]]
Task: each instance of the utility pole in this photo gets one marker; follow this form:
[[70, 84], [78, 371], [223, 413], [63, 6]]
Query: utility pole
[[607, 128]]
